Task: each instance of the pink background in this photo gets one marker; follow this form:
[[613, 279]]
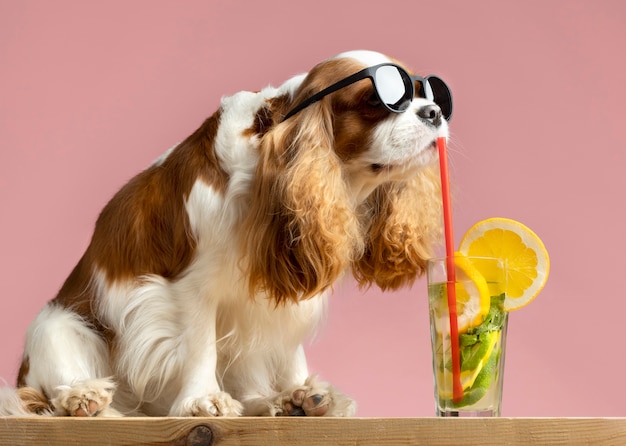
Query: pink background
[[92, 92]]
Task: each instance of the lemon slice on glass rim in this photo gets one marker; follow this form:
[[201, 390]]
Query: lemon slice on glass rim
[[527, 260]]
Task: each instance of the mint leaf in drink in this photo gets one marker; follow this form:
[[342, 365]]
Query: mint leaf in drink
[[466, 340], [474, 356], [477, 344], [494, 319]]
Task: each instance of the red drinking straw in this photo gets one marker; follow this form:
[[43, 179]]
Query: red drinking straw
[[457, 388]]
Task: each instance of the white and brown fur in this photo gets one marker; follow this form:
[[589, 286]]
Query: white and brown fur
[[207, 271]]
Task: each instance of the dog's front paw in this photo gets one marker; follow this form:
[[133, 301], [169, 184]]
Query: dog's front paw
[[314, 399], [85, 399], [219, 404]]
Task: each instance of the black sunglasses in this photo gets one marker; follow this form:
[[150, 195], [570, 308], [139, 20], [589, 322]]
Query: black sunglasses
[[394, 87]]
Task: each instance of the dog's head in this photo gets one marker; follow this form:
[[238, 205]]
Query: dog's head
[[347, 178]]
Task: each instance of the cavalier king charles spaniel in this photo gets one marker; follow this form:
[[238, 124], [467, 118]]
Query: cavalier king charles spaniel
[[208, 270]]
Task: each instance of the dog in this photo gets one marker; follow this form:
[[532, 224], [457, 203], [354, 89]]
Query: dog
[[208, 270]]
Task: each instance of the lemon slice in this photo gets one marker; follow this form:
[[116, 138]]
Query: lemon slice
[[527, 260], [472, 297]]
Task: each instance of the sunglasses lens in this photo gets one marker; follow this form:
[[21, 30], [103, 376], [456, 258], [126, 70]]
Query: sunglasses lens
[[440, 95], [390, 87]]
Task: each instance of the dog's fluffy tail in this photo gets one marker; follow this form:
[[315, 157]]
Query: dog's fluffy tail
[[23, 402]]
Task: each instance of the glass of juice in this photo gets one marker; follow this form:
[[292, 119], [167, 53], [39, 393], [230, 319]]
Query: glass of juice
[[481, 324]]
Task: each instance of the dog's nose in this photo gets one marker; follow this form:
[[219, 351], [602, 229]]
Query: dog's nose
[[430, 113]]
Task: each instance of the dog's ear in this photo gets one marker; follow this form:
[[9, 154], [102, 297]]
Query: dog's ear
[[404, 223], [301, 231]]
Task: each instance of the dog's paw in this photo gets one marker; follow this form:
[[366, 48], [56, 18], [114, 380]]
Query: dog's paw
[[85, 399], [219, 404], [314, 399]]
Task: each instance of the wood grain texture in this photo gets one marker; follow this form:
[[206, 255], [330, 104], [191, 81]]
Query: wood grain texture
[[313, 432]]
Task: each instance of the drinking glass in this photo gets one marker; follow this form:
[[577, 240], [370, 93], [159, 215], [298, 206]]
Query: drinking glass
[[481, 340]]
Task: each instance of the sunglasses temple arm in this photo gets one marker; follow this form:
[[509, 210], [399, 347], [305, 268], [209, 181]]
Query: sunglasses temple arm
[[326, 91], [304, 104]]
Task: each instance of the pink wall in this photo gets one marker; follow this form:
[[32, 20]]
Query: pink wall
[[92, 92]]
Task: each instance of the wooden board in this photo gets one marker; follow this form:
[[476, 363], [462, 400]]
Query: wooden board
[[313, 432]]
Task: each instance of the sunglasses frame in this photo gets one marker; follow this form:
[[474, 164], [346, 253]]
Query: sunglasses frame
[[369, 73]]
